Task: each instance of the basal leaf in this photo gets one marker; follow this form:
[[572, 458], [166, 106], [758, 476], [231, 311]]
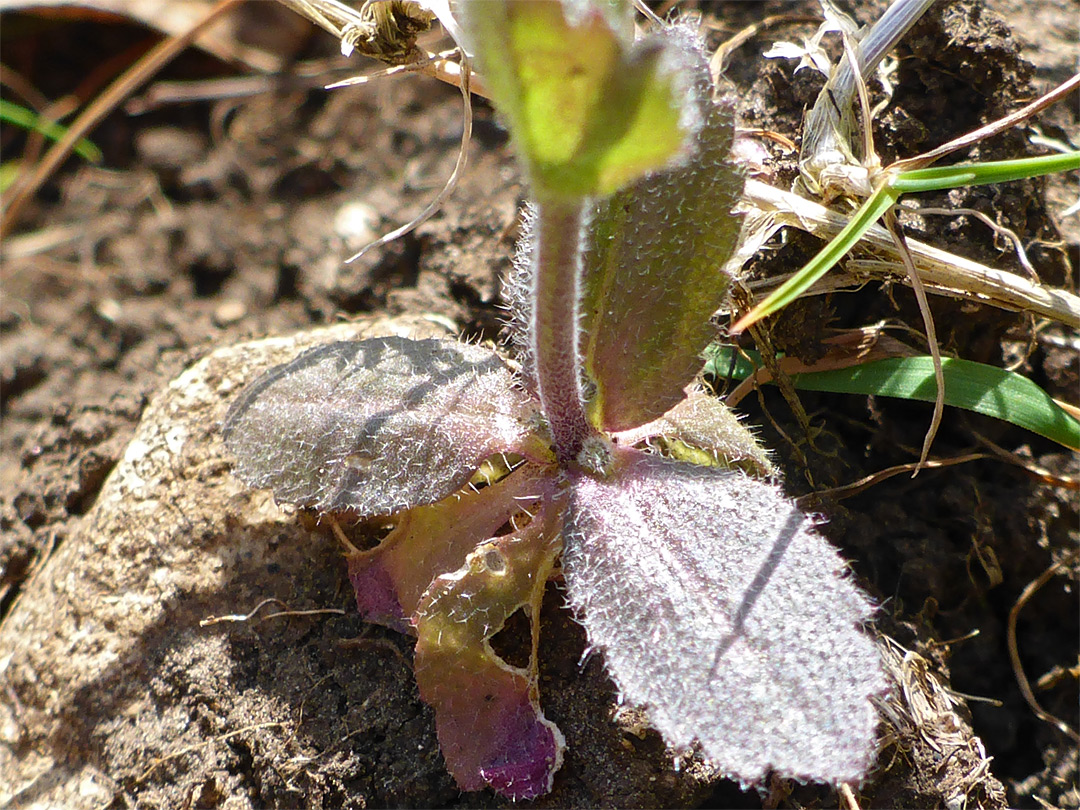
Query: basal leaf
[[653, 277], [491, 730], [588, 111], [443, 573], [428, 541], [719, 609], [376, 426], [703, 430]]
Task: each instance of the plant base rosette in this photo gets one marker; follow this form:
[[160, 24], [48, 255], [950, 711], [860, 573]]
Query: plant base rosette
[[716, 605]]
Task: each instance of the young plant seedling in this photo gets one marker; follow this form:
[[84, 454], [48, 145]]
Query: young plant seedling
[[714, 602]]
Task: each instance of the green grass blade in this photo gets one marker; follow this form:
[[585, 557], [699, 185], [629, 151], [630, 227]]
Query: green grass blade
[[867, 215], [718, 362], [974, 386], [9, 170], [932, 179], [28, 119], [977, 174]]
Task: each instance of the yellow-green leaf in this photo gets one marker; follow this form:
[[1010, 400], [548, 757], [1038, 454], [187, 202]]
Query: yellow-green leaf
[[588, 111]]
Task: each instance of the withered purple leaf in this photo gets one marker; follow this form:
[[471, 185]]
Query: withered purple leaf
[[491, 729], [375, 426], [719, 608], [427, 541]]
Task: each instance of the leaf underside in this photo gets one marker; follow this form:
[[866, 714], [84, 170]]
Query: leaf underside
[[652, 276], [719, 609], [375, 426], [428, 541]]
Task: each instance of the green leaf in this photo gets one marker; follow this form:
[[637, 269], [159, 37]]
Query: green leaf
[[587, 112], [702, 430], [652, 278], [727, 362], [973, 386], [9, 170]]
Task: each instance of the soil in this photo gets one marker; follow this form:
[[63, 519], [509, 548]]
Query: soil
[[212, 223]]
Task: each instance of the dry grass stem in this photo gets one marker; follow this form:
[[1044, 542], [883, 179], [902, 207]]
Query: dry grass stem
[[191, 749], [246, 617], [436, 204], [942, 272], [864, 483], [762, 339], [919, 708], [931, 335], [240, 617], [1014, 651], [1000, 230], [1032, 469], [848, 795], [993, 128], [719, 60]]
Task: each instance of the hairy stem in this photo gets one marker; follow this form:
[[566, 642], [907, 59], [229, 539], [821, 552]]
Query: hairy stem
[[553, 332]]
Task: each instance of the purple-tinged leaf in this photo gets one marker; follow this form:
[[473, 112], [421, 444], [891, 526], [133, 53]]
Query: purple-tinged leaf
[[702, 430], [491, 730], [720, 609], [376, 590], [428, 541], [653, 274], [376, 426]]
